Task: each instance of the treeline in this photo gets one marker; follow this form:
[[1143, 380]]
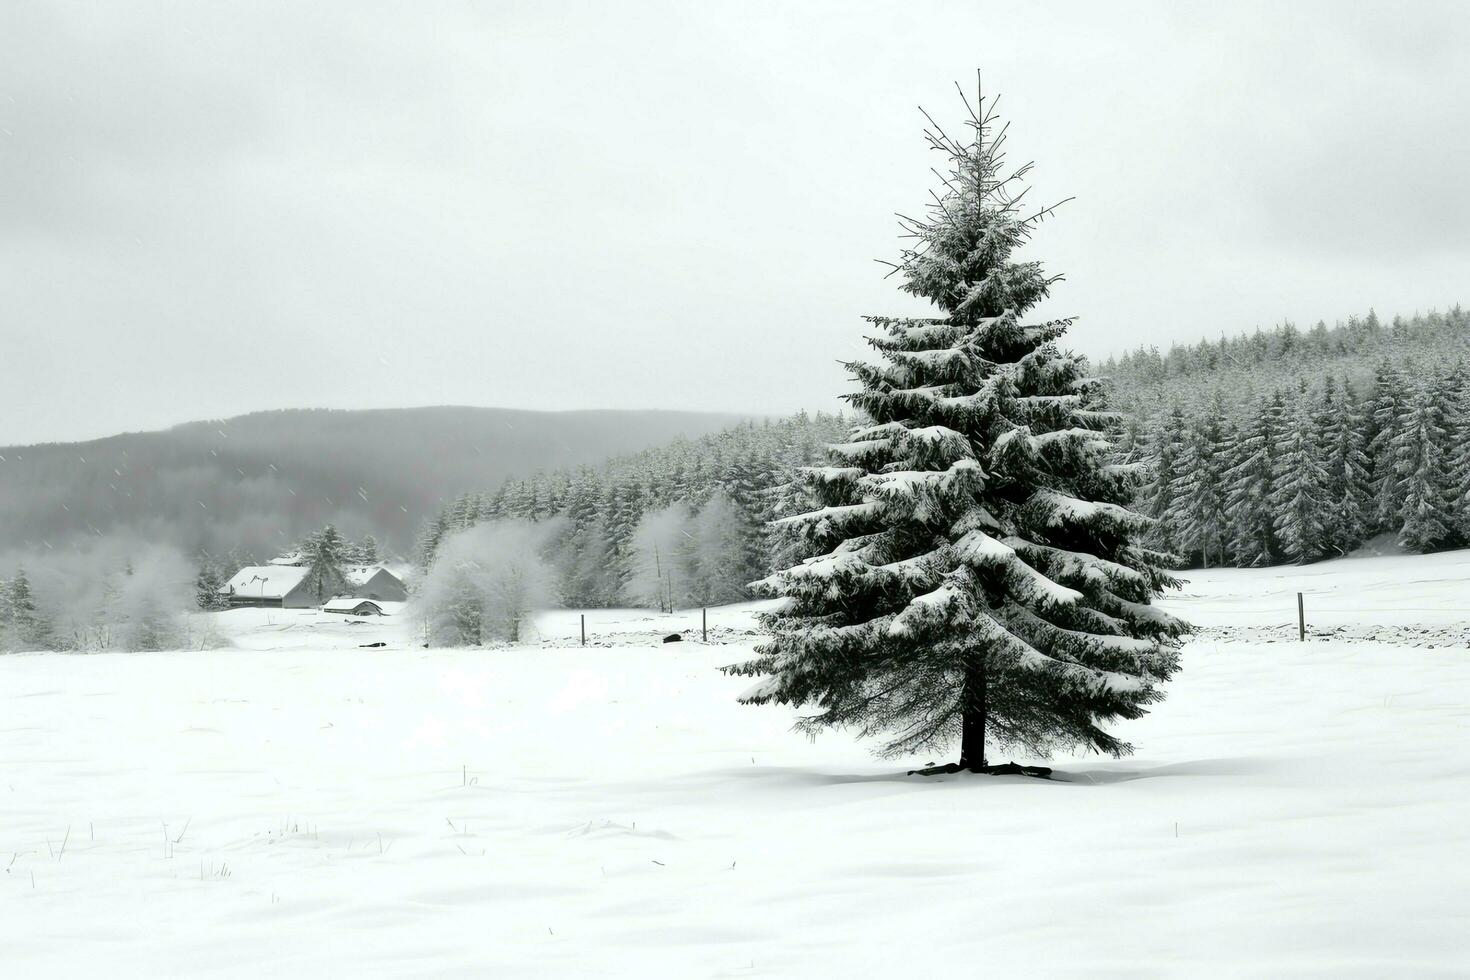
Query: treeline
[[1314, 470], [127, 594], [680, 525], [1247, 369], [119, 597]]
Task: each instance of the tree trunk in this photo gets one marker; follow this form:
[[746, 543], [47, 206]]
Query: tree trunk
[[972, 724]]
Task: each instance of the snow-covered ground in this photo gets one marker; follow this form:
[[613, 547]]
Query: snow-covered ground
[[300, 805], [1405, 599]]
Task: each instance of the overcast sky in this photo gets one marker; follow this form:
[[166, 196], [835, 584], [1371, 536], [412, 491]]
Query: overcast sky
[[207, 209]]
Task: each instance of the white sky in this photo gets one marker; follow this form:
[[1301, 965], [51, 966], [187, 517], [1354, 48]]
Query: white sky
[[207, 209]]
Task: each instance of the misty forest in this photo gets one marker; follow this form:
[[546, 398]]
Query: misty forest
[[1279, 446]]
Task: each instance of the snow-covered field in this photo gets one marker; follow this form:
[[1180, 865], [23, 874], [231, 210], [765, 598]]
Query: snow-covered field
[[303, 806]]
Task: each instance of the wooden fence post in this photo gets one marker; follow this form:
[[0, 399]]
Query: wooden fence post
[[584, 629], [1301, 619], [704, 624]]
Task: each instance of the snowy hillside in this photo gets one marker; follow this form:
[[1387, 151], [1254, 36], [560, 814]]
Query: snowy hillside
[[262, 480], [299, 805]]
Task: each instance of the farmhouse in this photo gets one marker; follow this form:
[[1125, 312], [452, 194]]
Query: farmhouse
[[286, 586], [282, 586], [374, 582]]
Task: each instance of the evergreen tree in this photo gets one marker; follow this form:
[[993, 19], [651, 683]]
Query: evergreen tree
[[1386, 410], [1457, 462], [457, 620], [1203, 522], [1251, 481], [1349, 487], [624, 512], [1300, 486], [323, 552], [976, 575], [7, 618], [587, 579], [30, 628], [432, 536], [1158, 495], [720, 572], [1419, 458], [207, 585]]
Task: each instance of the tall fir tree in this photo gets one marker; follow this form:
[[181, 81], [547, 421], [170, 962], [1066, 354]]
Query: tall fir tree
[[323, 552], [975, 575], [624, 510], [431, 537], [1386, 413], [1300, 485], [1201, 494], [1252, 487], [1457, 462], [587, 579], [30, 628], [1419, 450], [208, 583], [1349, 487], [1157, 497]]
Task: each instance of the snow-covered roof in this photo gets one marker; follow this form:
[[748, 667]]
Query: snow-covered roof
[[362, 574], [349, 604], [265, 581], [290, 558]]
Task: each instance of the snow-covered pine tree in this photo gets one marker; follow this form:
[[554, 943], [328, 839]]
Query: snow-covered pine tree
[[492, 506], [720, 571], [1385, 411], [1299, 493], [1457, 463], [323, 552], [1203, 523], [30, 629], [7, 617], [587, 576], [625, 506], [1349, 490], [748, 482], [1157, 496], [1419, 459], [1251, 487], [430, 539], [457, 617], [976, 574], [207, 585]]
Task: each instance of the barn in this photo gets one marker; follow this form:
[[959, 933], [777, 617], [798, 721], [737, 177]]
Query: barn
[[374, 582], [274, 586], [285, 586]]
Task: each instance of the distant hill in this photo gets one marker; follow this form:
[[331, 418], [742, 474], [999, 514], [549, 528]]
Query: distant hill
[[261, 480]]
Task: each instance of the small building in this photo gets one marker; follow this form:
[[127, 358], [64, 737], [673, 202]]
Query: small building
[[285, 586], [353, 607], [271, 586], [375, 582]]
